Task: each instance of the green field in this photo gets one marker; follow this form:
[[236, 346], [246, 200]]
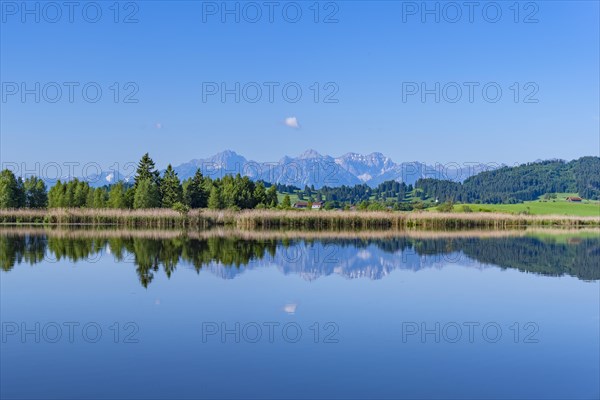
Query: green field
[[293, 197], [558, 206], [555, 205]]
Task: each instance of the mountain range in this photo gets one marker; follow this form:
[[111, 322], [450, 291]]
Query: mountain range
[[312, 168]]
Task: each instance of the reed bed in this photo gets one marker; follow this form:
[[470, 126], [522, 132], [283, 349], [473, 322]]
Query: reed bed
[[324, 220], [288, 219]]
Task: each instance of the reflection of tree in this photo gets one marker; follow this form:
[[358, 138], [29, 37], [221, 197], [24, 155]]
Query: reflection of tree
[[17, 249], [146, 258], [548, 256], [11, 251], [75, 249]]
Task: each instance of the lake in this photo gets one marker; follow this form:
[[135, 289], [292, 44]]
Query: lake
[[220, 314]]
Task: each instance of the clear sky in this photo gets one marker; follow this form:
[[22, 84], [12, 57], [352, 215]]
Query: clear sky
[[372, 57]]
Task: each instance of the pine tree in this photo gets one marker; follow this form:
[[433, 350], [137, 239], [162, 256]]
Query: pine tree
[[35, 193], [260, 193], [89, 202], [116, 196], [196, 195], [55, 195], [20, 193], [129, 197], [228, 191], [81, 192], [287, 203], [99, 198], [170, 188], [146, 195], [272, 200], [146, 170], [9, 190], [215, 200]]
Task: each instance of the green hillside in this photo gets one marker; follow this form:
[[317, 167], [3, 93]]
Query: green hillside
[[527, 182]]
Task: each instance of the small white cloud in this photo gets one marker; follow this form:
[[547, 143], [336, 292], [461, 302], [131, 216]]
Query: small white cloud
[[158, 125], [290, 308], [110, 177], [292, 122]]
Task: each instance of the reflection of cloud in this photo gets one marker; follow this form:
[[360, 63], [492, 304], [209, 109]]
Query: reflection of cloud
[[158, 125], [290, 308], [292, 122], [157, 302], [110, 177], [363, 254]]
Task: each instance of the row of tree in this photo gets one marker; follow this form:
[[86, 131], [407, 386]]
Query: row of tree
[[18, 193], [521, 183], [151, 190]]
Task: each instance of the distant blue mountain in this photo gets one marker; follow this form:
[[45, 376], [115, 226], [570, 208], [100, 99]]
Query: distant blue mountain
[[309, 168], [312, 168]]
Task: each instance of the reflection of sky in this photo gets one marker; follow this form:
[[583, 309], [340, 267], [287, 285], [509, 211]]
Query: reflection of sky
[[370, 359]]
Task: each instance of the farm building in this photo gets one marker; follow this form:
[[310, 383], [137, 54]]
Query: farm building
[[300, 204]]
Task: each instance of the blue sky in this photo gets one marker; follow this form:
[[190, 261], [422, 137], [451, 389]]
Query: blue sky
[[371, 57]]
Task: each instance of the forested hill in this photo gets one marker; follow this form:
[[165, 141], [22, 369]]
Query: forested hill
[[520, 183]]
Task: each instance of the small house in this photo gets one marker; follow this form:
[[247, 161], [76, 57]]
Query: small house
[[317, 205], [300, 204], [574, 199]]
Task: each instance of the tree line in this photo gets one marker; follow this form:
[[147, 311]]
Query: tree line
[[517, 184], [150, 189], [19, 193]]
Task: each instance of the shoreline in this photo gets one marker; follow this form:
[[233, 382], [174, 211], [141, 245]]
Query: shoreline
[[81, 232], [321, 220]]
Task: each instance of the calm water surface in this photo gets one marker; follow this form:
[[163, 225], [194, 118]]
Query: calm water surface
[[146, 315]]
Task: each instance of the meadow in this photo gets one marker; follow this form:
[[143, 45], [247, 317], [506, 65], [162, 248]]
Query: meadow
[[557, 206]]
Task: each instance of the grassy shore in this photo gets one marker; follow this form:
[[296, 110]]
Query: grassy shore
[[287, 219], [591, 209]]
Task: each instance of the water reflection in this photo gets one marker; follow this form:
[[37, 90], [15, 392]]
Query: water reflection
[[352, 255]]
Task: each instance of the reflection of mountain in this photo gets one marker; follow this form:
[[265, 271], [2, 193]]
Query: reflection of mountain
[[229, 256], [360, 260]]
